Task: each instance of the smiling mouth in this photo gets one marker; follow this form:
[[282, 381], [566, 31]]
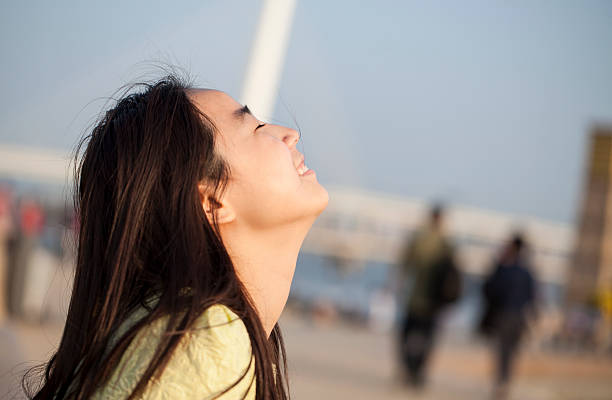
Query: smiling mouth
[[302, 168]]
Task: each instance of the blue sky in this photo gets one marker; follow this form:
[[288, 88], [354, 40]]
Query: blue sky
[[479, 103]]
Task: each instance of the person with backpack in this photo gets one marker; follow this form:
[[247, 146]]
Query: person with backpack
[[429, 262]]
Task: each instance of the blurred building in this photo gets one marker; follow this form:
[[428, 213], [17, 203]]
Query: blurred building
[[361, 234], [591, 266], [363, 226]]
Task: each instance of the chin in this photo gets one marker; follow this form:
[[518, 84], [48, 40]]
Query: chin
[[320, 200], [307, 204], [324, 199]]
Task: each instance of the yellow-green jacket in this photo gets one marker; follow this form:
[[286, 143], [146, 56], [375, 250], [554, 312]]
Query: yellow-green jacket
[[209, 359]]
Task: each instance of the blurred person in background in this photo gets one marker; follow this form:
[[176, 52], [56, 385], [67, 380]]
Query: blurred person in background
[[429, 262], [509, 293], [31, 221], [605, 326], [191, 213], [5, 229]]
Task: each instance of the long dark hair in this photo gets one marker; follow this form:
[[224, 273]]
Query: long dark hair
[[142, 233]]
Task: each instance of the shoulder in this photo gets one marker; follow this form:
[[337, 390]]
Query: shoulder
[[219, 341], [220, 327], [218, 316], [527, 271], [213, 355]]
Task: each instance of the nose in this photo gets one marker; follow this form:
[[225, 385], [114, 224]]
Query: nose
[[290, 137]]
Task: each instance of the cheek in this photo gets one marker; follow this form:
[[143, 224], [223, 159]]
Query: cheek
[[270, 168], [261, 170], [264, 186]]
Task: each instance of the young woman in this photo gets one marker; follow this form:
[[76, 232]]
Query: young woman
[[191, 216]]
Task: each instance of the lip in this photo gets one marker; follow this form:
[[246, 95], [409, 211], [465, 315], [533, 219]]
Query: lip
[[301, 165]]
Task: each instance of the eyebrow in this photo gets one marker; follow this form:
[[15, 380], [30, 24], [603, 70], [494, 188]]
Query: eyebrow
[[241, 112]]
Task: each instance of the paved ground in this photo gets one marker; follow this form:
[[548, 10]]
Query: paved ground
[[23, 345], [339, 361]]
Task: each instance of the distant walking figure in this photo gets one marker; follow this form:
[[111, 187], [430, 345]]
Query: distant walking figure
[[509, 298], [429, 261]]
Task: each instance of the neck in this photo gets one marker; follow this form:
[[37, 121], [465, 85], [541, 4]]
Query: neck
[[265, 262]]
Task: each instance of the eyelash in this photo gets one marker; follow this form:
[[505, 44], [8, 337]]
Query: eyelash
[[260, 126]]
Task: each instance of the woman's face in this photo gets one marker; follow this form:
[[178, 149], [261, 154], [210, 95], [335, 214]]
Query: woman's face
[[269, 183]]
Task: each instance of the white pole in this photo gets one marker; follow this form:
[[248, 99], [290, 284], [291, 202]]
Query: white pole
[[267, 57]]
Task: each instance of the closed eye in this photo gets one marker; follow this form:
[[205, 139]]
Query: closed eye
[[260, 126]]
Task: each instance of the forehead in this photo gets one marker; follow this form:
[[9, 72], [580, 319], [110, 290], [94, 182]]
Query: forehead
[[217, 105]]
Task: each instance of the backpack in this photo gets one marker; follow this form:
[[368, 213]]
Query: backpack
[[445, 283]]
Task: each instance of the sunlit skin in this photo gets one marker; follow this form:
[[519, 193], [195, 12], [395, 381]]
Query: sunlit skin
[[268, 206]]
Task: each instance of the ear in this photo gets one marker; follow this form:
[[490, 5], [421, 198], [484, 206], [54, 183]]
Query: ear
[[220, 209]]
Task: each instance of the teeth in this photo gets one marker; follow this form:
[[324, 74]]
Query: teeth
[[303, 170]]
